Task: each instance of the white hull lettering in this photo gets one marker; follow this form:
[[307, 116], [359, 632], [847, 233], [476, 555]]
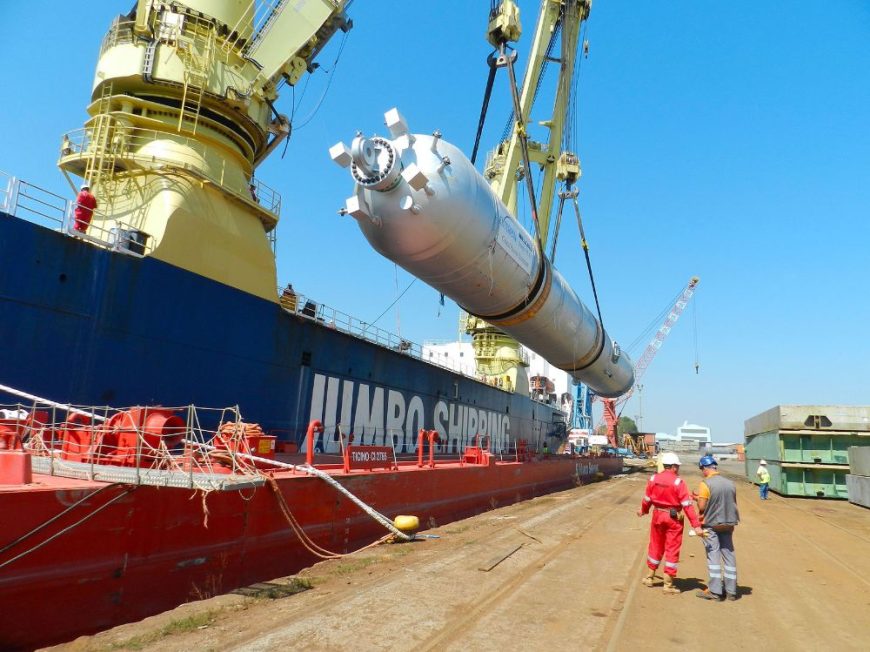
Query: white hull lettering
[[379, 416]]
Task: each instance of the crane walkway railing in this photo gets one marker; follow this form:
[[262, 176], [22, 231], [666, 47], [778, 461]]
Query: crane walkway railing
[[143, 149]]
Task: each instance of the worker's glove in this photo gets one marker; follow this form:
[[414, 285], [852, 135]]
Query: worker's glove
[[703, 533]]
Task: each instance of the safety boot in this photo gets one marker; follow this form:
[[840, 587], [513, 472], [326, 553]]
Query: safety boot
[[669, 586], [649, 579]]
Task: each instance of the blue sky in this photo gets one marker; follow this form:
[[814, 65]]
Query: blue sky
[[729, 142]]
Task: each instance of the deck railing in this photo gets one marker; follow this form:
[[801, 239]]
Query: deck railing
[[43, 207], [332, 318], [35, 204], [129, 149]]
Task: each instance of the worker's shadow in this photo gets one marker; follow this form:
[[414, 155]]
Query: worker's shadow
[[692, 583], [689, 583]]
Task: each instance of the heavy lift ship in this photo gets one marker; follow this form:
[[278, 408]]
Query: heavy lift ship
[[117, 514]]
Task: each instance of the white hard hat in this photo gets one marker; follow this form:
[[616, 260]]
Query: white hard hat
[[670, 458], [762, 462], [84, 185]]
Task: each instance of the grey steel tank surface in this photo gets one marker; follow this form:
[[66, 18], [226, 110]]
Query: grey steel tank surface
[[420, 203]]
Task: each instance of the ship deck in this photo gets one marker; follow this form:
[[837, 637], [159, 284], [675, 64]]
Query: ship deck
[[329, 464]]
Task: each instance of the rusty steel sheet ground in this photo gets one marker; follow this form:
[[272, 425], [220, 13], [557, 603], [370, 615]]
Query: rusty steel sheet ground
[[568, 579]]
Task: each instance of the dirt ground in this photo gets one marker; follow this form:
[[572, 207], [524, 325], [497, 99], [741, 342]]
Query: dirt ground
[[563, 573]]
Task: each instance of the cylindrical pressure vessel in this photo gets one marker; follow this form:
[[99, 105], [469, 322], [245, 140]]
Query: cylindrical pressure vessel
[[420, 203]]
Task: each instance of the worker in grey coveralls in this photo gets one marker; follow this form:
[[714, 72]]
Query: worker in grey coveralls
[[717, 503]]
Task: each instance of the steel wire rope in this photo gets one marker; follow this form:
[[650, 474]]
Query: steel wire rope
[[386, 310], [45, 524], [541, 75], [487, 94], [574, 104], [564, 47], [331, 74], [567, 141], [60, 533], [585, 246], [522, 137]]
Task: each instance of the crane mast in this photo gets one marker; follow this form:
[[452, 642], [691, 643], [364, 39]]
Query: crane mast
[[499, 358]]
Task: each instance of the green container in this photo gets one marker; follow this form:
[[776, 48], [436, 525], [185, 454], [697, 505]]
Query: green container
[[814, 481], [828, 448], [804, 447], [764, 446]]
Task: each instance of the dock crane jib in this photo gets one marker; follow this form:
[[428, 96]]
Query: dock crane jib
[[610, 415]]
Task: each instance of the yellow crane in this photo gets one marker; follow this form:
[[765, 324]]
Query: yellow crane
[[500, 359], [182, 112]]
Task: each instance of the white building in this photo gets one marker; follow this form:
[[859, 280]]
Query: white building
[[694, 432], [459, 356]]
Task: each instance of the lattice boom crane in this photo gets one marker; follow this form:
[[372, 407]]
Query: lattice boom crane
[[610, 415]]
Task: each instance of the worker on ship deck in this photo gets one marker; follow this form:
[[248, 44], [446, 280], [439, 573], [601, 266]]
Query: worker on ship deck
[[667, 496], [84, 211], [288, 298]]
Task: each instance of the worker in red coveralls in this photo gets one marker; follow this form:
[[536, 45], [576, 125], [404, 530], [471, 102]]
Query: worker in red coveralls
[[85, 205], [668, 496]]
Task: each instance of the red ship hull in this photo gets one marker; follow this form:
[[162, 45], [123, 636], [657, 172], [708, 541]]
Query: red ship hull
[[149, 549]]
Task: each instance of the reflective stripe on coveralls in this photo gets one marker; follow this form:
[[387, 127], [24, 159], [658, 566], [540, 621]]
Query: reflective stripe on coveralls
[[665, 492]]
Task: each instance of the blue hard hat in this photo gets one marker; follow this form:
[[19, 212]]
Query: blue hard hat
[[707, 460]]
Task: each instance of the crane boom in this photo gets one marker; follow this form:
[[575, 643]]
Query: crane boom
[[656, 343], [610, 416]]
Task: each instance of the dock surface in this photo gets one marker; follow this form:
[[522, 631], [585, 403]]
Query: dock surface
[[559, 572]]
